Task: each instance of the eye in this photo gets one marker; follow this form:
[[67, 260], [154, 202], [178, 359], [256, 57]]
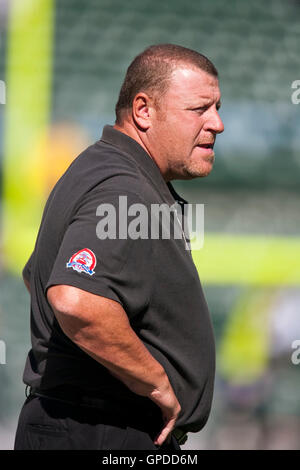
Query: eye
[[200, 110]]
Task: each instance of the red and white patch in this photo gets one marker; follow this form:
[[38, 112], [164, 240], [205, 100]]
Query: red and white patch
[[84, 261]]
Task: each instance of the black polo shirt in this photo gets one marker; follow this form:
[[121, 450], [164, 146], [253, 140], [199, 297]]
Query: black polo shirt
[[155, 280]]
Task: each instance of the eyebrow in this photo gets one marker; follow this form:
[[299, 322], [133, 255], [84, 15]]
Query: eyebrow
[[206, 105]]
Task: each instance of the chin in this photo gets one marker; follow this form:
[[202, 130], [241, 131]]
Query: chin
[[202, 168], [207, 172], [202, 172], [193, 171]]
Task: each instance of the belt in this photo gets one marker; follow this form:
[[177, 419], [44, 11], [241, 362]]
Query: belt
[[79, 399], [76, 397]]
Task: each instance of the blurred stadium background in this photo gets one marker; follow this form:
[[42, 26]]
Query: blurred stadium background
[[62, 63]]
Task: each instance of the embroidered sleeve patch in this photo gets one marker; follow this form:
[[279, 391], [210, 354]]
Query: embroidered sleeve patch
[[84, 261]]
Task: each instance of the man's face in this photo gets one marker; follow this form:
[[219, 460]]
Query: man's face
[[185, 123]]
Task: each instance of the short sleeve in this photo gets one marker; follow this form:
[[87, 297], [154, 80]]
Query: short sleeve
[[98, 255]]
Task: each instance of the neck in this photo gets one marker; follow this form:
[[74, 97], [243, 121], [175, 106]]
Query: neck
[[141, 138]]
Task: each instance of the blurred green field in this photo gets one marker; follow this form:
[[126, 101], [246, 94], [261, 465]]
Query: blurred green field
[[63, 63]]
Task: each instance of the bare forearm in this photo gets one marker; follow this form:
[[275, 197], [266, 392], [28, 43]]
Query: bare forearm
[[121, 351], [107, 336], [101, 328]]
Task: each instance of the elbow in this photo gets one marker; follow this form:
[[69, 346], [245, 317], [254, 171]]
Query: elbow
[[65, 305]]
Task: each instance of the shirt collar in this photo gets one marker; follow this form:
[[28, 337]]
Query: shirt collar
[[135, 151]]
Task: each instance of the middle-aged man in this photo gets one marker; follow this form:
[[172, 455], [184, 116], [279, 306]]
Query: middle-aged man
[[123, 353]]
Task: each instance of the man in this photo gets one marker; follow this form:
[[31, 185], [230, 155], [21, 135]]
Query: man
[[122, 345]]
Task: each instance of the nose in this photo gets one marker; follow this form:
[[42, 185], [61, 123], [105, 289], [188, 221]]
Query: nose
[[214, 122]]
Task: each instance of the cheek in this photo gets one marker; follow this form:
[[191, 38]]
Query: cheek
[[180, 133], [193, 129]]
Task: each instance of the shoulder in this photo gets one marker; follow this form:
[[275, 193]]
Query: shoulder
[[102, 168], [101, 161]]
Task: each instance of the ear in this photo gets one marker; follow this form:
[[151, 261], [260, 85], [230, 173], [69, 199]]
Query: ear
[[141, 110]]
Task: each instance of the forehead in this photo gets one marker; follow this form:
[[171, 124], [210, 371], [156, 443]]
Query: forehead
[[189, 85]]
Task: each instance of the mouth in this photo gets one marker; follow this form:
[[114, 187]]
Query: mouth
[[206, 146], [206, 150]]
